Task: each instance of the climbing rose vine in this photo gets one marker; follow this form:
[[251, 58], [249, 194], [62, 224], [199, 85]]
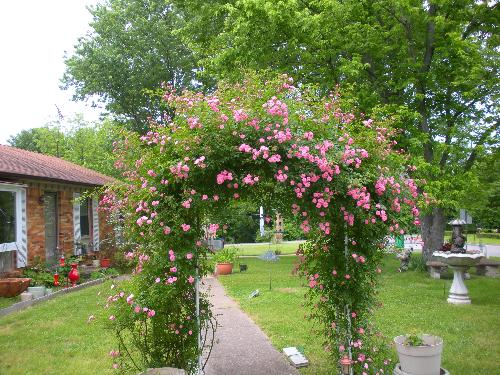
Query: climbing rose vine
[[337, 174]]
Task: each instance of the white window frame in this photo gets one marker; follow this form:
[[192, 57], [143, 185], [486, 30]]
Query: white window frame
[[20, 191]]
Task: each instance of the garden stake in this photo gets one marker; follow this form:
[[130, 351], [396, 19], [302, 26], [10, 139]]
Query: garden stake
[[347, 312], [270, 280]]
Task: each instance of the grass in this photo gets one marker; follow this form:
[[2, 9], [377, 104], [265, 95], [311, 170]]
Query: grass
[[6, 302], [55, 338], [257, 249], [411, 302]]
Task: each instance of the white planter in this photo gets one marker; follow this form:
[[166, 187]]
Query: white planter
[[420, 360], [37, 291], [25, 296]]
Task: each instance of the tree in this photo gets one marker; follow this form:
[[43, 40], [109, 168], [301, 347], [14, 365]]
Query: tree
[[49, 140], [25, 139], [130, 51], [482, 198], [80, 142], [432, 64]]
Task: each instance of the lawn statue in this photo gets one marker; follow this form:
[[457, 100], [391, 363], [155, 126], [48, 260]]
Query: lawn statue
[[457, 237], [404, 257]]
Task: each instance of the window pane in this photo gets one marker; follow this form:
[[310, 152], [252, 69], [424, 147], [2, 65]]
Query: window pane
[[7, 216], [84, 218]]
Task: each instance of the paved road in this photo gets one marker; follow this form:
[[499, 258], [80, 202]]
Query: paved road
[[241, 347]]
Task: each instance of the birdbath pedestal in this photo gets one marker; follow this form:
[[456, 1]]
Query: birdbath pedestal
[[459, 263]]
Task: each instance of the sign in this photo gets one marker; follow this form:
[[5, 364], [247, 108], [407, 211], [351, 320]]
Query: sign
[[465, 216]]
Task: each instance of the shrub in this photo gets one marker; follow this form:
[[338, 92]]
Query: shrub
[[271, 144], [225, 255]]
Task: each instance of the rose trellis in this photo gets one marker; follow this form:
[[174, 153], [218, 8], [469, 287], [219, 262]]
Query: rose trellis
[[271, 143]]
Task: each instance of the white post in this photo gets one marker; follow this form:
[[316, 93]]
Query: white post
[[261, 221], [347, 311], [197, 302]]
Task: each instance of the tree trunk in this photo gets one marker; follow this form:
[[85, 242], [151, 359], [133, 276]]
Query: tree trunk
[[433, 225]]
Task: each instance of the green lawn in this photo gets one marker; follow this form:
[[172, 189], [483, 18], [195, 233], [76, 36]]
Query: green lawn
[[6, 302], [260, 248], [411, 301], [55, 338]]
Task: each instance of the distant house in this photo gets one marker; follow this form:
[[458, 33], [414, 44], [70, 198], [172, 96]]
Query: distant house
[[39, 216]]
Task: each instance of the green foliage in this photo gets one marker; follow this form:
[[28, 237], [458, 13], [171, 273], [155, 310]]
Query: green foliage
[[413, 340], [39, 277], [482, 195], [292, 230], [239, 221], [432, 67], [226, 255], [85, 144], [266, 142], [267, 237], [417, 263], [130, 51], [104, 273]]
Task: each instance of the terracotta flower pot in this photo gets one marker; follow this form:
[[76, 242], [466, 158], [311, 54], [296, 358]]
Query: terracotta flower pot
[[13, 286], [224, 268], [105, 262]]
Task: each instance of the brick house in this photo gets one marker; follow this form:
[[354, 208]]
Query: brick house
[[39, 216]]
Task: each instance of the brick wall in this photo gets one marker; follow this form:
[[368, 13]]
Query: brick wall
[[65, 213], [105, 229], [36, 224], [36, 219]]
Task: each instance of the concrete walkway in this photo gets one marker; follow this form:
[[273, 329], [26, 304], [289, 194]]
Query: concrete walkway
[[241, 348]]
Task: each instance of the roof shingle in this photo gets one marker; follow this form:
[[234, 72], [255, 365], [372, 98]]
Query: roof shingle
[[16, 162]]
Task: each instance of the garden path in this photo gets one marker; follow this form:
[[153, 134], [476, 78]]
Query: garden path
[[241, 348]]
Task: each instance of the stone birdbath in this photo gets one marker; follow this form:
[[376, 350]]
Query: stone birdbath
[[459, 260]]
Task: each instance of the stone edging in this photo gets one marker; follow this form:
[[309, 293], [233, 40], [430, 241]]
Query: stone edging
[[25, 304]]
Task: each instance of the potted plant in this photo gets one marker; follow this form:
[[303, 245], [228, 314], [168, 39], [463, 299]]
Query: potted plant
[[419, 354], [224, 260], [106, 252]]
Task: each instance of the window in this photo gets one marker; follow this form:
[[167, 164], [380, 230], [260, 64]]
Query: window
[[8, 228], [84, 218], [13, 221]]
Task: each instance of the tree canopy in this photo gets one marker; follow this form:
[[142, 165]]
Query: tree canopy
[[86, 144], [433, 64], [130, 51]]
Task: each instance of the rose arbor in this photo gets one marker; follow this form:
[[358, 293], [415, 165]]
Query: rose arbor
[[278, 146]]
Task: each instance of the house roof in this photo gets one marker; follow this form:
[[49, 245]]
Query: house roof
[[15, 162]]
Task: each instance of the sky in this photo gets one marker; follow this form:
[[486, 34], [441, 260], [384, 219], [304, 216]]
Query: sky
[[34, 34]]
